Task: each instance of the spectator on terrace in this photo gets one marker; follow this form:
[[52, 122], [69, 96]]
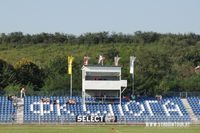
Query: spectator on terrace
[[15, 103], [132, 97], [48, 100], [22, 92], [127, 98], [9, 97], [72, 101], [104, 97], [43, 100], [159, 97], [12, 97], [13, 117], [54, 101]]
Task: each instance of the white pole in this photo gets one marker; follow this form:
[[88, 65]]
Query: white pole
[[132, 61], [120, 97], [133, 80]]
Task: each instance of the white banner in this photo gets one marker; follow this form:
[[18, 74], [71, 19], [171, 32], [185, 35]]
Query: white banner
[[116, 60], [132, 60], [93, 119], [101, 59]]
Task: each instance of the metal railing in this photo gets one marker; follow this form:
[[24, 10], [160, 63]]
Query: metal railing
[[121, 120], [182, 94]]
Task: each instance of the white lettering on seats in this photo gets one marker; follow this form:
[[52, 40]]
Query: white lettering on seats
[[149, 107], [141, 109], [168, 110]]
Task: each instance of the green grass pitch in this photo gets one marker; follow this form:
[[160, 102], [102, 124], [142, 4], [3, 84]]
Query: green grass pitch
[[94, 129]]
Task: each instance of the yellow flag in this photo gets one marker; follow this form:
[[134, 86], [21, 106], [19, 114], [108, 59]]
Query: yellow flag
[[70, 60]]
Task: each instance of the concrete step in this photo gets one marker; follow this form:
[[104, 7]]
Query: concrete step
[[20, 111], [193, 117]]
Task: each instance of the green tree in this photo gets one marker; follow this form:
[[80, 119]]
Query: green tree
[[152, 67], [56, 83], [7, 74], [29, 73]]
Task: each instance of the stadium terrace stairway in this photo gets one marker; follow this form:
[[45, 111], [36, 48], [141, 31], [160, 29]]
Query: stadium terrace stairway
[[20, 111], [194, 103], [193, 117]]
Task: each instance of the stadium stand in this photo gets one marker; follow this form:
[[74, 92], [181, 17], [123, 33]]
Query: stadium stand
[[6, 110], [139, 111], [165, 110], [57, 109]]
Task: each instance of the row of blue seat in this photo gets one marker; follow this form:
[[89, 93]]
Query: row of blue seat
[[140, 110], [6, 109], [114, 109]]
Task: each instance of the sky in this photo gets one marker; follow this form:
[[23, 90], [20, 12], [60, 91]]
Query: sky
[[81, 16]]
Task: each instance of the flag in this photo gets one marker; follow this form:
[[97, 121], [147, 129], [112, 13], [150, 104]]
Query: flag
[[132, 60], [86, 60], [116, 60], [101, 59], [70, 60]]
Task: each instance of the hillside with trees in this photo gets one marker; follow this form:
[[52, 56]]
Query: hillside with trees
[[165, 62]]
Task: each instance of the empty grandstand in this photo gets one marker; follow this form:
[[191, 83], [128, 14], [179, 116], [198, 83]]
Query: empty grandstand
[[95, 107], [140, 111]]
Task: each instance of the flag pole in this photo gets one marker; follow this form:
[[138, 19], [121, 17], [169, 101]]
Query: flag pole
[[70, 60], [71, 85], [133, 91], [132, 60]]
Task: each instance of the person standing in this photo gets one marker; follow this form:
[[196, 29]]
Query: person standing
[[22, 92], [13, 116]]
